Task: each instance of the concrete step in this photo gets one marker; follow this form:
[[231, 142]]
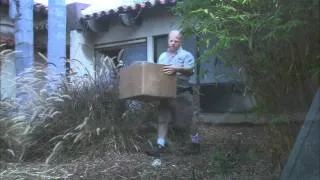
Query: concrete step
[[251, 118]]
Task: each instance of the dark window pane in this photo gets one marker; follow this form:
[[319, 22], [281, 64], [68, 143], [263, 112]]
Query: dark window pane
[[160, 45], [134, 52], [212, 70], [224, 97], [131, 53]]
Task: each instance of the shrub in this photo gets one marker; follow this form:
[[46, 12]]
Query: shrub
[[12, 131], [86, 112], [275, 42], [12, 125], [75, 114]]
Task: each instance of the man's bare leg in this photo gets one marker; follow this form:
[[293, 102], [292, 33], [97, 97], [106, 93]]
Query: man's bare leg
[[165, 117]]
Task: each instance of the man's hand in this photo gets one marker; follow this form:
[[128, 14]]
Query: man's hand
[[169, 69]]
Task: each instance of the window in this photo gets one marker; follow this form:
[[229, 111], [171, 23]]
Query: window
[[221, 87], [160, 45], [133, 50]]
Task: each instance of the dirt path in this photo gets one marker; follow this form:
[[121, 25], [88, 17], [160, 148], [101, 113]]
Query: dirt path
[[228, 152]]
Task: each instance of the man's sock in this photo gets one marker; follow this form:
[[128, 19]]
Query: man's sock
[[161, 142], [195, 138]]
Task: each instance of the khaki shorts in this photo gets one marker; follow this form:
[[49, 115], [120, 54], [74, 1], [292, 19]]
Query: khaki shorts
[[178, 111]]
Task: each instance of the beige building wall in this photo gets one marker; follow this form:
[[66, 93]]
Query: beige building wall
[[81, 54], [151, 26], [8, 74], [82, 47], [7, 63]]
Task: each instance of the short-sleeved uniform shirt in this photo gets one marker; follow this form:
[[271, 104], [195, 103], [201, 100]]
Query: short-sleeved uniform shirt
[[181, 58]]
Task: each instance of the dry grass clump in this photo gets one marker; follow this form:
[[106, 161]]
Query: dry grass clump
[[12, 128], [67, 116], [12, 131], [85, 115]]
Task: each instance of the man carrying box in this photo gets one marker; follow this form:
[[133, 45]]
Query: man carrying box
[[181, 63]]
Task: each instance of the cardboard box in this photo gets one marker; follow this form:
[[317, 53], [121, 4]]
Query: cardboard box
[[146, 81]]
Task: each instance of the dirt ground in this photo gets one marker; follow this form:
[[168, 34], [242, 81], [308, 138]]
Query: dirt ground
[[228, 153]]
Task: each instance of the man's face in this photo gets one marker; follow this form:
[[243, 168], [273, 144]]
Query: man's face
[[174, 42]]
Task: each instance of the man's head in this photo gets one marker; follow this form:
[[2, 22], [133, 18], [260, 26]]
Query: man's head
[[174, 40]]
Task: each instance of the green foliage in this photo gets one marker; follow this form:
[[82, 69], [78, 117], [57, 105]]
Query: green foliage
[[223, 162], [275, 42]]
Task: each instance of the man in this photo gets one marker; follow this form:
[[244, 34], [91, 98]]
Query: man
[[180, 62]]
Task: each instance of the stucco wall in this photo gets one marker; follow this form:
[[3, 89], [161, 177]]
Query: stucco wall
[[81, 53], [8, 74], [154, 25]]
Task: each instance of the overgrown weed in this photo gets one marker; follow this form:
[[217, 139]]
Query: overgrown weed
[[63, 116]]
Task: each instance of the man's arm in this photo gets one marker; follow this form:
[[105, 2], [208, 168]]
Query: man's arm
[[185, 70]]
